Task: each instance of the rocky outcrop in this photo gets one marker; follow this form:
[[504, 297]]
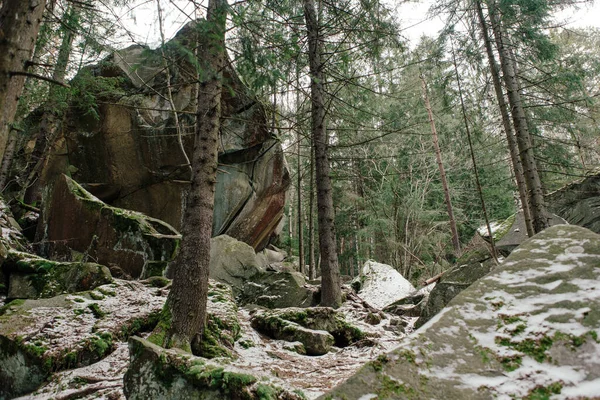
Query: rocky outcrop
[[512, 232], [120, 142], [411, 305], [38, 337], [76, 225], [316, 328], [156, 373], [32, 277], [471, 266], [579, 202], [236, 264], [527, 330], [233, 262], [380, 284]]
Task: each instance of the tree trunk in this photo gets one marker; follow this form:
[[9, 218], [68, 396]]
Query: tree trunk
[[300, 216], [438, 156], [510, 136], [331, 294], [20, 23], [188, 297], [312, 263], [532, 179]]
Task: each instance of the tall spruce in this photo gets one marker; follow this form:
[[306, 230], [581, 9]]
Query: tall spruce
[[186, 304], [331, 293], [19, 23]]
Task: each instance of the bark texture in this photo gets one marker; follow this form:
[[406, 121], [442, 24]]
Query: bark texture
[[331, 294], [188, 297], [532, 178], [19, 26], [510, 135]]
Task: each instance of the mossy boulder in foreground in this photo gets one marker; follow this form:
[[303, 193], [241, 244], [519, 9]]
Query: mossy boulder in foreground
[[39, 337], [32, 277], [157, 373], [528, 330]]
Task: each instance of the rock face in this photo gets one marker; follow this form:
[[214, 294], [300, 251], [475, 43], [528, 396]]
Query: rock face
[[578, 202], [515, 232], [123, 145], [77, 225], [470, 267], [233, 262], [236, 264], [32, 277], [380, 284], [159, 374], [38, 337], [527, 330], [411, 305]]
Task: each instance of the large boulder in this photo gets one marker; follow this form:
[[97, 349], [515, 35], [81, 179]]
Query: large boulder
[[33, 277], [380, 284], [579, 202], [233, 262], [38, 337], [471, 266], [76, 225], [512, 232], [316, 328], [122, 144], [527, 330], [159, 374]]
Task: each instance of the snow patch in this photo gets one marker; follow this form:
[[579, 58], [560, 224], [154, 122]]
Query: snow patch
[[383, 285]]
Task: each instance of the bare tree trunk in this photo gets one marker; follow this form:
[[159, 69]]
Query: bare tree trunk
[[438, 156], [510, 136], [331, 293], [475, 170], [20, 23], [532, 178], [188, 297], [312, 264], [300, 216]]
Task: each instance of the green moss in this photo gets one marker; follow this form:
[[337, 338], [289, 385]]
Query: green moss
[[159, 281], [107, 292], [246, 344], [379, 362], [409, 356], [533, 348], [101, 343], [96, 296], [95, 309], [265, 392], [163, 326], [511, 363], [544, 393], [12, 305], [391, 388], [80, 300]]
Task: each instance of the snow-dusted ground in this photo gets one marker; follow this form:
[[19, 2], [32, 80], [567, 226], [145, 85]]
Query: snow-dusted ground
[[313, 375]]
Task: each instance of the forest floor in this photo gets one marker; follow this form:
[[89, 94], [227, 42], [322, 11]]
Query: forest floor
[[313, 375]]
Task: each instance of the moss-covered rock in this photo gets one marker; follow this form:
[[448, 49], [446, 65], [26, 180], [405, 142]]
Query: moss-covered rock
[[32, 277], [38, 337], [527, 330], [132, 244], [316, 328], [273, 289], [156, 373], [471, 266]]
